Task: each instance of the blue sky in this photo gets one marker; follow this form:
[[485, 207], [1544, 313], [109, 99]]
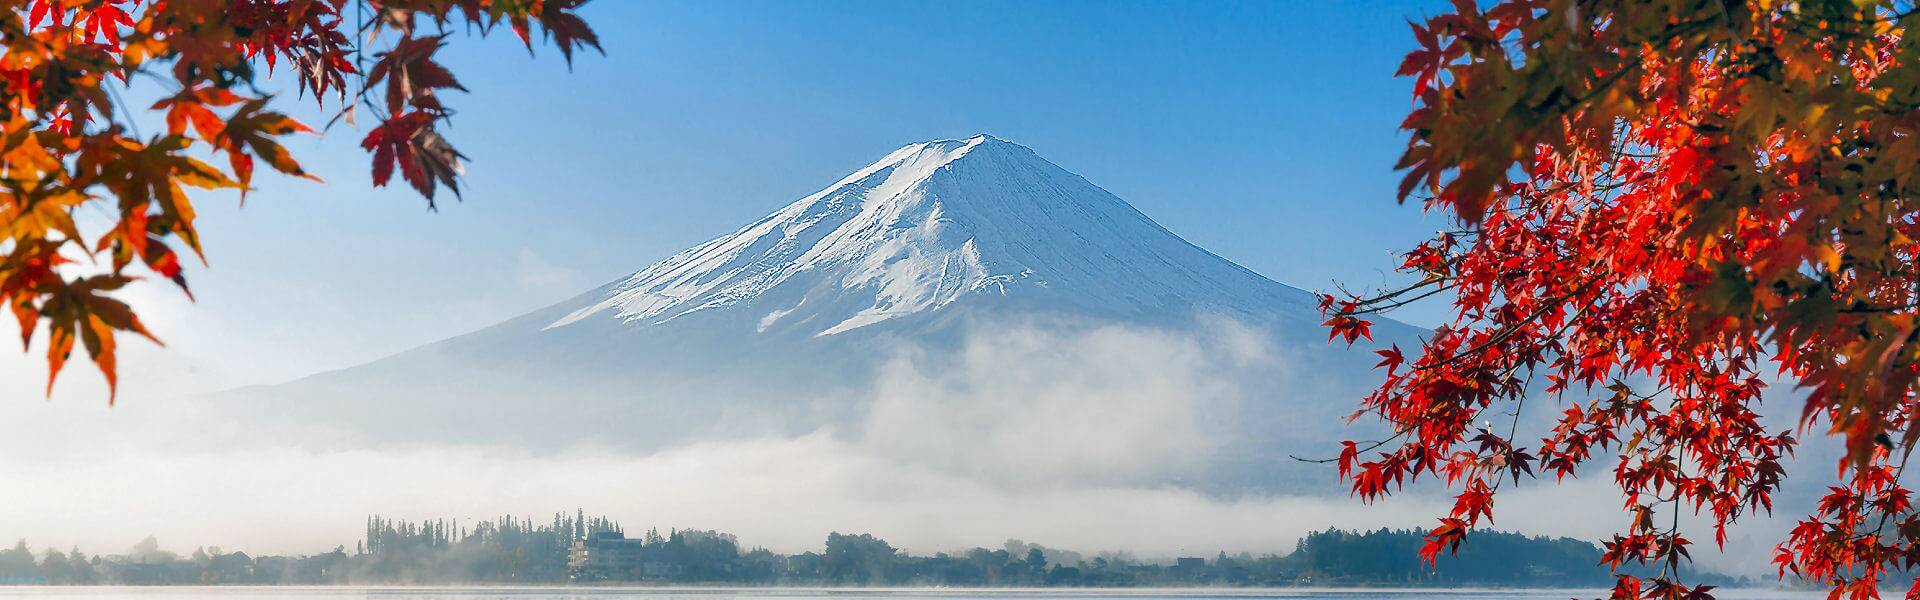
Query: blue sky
[[1264, 132]]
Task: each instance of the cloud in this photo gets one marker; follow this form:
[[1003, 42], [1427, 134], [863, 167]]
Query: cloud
[[1020, 433], [536, 272], [785, 493], [1068, 436], [1040, 405]]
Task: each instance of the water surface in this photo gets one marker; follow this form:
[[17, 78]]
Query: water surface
[[638, 593]]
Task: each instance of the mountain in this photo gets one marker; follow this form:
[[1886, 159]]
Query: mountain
[[934, 224], [780, 327]]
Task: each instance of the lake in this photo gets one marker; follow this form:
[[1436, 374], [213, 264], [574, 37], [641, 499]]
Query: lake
[[621, 593]]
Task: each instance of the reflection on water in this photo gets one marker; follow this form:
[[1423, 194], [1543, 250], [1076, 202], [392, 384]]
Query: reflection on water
[[605, 593]]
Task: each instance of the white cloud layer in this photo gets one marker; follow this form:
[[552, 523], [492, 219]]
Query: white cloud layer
[[535, 271], [1055, 435], [1041, 406]]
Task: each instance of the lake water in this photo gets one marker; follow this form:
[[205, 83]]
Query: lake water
[[616, 593]]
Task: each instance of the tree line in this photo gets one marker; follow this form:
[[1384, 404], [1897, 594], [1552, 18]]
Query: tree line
[[521, 550]]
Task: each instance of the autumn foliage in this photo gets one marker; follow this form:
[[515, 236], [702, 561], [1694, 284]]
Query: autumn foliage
[[1661, 206], [69, 140]]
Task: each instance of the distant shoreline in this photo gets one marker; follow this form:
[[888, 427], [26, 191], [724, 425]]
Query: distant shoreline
[[695, 589], [575, 551]]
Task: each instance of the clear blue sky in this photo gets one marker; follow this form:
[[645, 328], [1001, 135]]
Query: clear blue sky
[[1265, 132]]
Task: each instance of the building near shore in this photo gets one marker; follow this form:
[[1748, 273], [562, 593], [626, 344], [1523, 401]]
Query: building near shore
[[612, 556]]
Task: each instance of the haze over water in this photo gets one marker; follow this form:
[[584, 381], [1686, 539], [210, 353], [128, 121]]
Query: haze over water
[[547, 593]]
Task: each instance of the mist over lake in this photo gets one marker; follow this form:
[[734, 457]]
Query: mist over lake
[[615, 593]]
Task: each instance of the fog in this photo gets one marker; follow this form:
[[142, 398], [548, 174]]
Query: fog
[[1036, 406], [1072, 438]]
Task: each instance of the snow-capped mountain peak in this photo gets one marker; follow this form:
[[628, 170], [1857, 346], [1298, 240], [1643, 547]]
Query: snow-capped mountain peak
[[929, 225], [940, 255]]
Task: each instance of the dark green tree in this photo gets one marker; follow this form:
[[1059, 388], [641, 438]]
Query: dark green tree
[[1036, 563]]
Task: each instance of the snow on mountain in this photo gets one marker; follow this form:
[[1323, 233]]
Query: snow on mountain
[[933, 223]]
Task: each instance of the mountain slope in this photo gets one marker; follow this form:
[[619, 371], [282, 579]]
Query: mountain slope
[[788, 325]]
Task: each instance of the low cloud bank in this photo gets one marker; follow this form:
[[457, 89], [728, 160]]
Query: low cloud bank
[[1068, 437], [1040, 406], [785, 494]]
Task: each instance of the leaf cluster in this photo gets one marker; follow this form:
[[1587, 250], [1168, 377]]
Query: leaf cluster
[[68, 143], [1660, 206]]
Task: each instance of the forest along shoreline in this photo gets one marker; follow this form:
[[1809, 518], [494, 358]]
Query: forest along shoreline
[[580, 550]]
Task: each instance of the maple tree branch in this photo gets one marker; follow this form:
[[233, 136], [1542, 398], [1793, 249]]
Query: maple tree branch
[[1373, 445], [1396, 305], [1672, 567], [1510, 330], [1430, 280]]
